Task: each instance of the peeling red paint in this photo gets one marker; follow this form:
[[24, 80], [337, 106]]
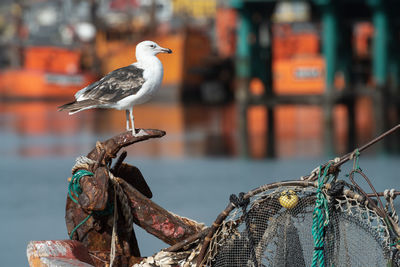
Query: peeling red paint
[[179, 232], [155, 224], [168, 228], [57, 249]]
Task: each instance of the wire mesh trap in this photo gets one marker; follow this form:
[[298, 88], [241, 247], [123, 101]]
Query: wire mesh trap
[[275, 225], [317, 221]]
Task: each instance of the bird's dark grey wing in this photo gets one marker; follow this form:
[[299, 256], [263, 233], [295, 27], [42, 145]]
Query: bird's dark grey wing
[[115, 86]]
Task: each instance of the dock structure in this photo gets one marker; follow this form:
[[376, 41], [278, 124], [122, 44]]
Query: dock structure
[[336, 18]]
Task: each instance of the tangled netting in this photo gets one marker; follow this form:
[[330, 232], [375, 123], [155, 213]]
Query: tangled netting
[[274, 228]]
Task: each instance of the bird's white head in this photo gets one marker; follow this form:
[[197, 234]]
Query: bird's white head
[[149, 48]]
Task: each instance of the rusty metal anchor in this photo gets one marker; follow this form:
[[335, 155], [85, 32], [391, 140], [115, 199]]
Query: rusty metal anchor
[[97, 195]]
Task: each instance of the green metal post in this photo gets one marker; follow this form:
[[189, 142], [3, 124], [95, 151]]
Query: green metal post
[[243, 52], [380, 46], [329, 44], [329, 49], [243, 73]]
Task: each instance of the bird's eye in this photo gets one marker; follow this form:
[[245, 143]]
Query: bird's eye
[[152, 46]]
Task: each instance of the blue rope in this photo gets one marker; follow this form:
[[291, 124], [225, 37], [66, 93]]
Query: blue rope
[[320, 220]]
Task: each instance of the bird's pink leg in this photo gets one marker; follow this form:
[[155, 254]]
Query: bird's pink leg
[[127, 119], [132, 121], [141, 132]]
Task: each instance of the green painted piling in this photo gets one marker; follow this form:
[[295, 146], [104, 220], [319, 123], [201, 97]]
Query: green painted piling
[[329, 49], [243, 72], [329, 44], [243, 52], [380, 46]]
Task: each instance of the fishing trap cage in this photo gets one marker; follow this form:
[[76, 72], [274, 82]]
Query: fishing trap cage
[[320, 222]]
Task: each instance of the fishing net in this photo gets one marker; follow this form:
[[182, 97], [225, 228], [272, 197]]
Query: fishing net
[[275, 225], [318, 221]]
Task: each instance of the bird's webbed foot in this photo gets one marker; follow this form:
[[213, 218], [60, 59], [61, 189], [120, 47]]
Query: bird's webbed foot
[[140, 133]]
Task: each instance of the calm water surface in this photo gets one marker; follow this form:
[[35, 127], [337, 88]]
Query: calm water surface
[[191, 171]]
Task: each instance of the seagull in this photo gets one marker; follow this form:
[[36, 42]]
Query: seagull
[[125, 87]]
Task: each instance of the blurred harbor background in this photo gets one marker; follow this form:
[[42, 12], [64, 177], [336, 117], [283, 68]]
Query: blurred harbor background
[[254, 92]]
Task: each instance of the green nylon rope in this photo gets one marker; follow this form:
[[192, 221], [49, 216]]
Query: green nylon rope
[[320, 220], [74, 187], [79, 225]]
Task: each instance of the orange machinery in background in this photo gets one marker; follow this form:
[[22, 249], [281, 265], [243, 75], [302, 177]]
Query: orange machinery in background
[[55, 72], [297, 64], [47, 73], [52, 59], [298, 67]]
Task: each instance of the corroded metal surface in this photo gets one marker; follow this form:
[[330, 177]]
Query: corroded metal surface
[[61, 262], [93, 207], [133, 176], [159, 222], [94, 194], [113, 145], [96, 232], [62, 253]]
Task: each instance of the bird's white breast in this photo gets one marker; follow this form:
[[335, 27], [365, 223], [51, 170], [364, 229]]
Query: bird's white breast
[[153, 74]]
